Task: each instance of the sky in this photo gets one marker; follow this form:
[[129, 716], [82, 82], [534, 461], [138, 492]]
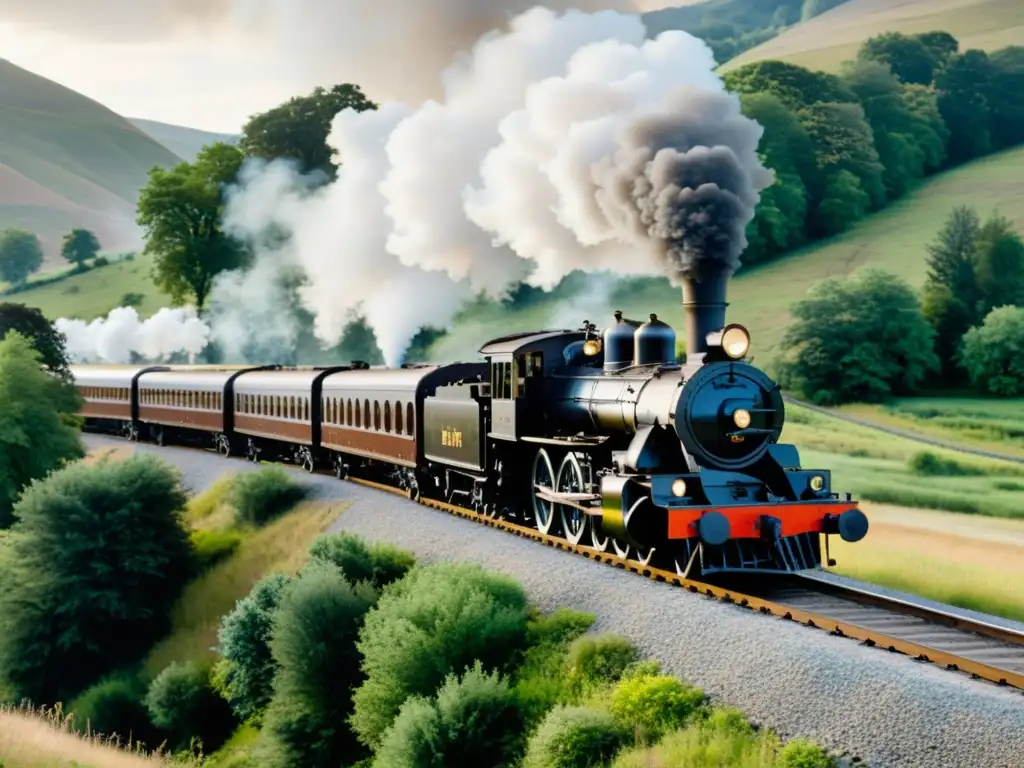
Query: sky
[[210, 64]]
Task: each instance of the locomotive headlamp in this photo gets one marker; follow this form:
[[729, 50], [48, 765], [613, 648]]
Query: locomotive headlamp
[[592, 347], [679, 487], [736, 342], [817, 483], [741, 418]]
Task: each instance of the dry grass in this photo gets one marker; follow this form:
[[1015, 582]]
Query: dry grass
[[826, 41], [280, 546], [43, 739], [211, 510], [964, 560]]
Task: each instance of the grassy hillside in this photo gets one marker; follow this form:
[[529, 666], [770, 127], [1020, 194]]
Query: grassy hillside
[[96, 292], [827, 41], [66, 160], [184, 142], [760, 298]]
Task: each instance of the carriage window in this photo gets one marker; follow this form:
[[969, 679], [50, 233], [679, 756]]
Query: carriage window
[[387, 416], [366, 413], [359, 415], [376, 415], [305, 408], [398, 417], [335, 411], [410, 419]]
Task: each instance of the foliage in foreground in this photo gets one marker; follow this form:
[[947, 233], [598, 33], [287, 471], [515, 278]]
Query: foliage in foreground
[[35, 436], [99, 555], [259, 497], [993, 353], [448, 617]]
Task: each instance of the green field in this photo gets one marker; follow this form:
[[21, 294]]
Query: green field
[[877, 467], [827, 41], [94, 293], [986, 424], [893, 239]]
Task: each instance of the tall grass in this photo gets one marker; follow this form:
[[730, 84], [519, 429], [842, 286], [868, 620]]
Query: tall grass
[[45, 739], [281, 545]]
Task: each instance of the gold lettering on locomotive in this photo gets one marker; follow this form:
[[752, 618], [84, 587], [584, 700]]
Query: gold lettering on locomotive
[[451, 438]]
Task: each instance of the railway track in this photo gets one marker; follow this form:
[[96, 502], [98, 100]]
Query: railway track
[[981, 649]]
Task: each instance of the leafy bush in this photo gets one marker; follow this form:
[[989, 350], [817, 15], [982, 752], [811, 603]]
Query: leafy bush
[[259, 497], [132, 299], [448, 616], [182, 703], [600, 659], [244, 642], [575, 737], [540, 678], [313, 643], [379, 564], [98, 557], [210, 547], [804, 754], [929, 464], [115, 707], [473, 722], [993, 353], [100, 261], [35, 437], [652, 705]]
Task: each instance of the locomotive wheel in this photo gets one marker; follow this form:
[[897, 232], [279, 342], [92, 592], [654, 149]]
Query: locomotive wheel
[[629, 552], [340, 468], [598, 539], [575, 523], [542, 474]]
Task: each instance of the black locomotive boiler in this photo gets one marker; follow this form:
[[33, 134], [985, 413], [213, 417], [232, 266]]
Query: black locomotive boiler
[[604, 439]]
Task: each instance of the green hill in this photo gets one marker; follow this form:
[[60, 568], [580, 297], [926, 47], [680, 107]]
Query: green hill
[[826, 41], [184, 142], [760, 298], [66, 160]]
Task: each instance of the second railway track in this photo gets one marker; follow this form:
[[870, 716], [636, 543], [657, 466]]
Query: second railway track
[[984, 650]]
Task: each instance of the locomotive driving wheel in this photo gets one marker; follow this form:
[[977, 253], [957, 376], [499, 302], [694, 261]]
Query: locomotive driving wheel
[[575, 522], [542, 475]]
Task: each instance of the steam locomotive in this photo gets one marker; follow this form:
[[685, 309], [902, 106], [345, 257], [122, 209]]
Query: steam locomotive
[[603, 438]]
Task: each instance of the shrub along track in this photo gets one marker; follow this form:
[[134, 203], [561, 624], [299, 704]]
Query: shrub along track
[[982, 649]]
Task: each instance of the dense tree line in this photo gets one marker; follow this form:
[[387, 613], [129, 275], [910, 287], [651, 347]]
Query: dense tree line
[[731, 27], [871, 336], [846, 145]]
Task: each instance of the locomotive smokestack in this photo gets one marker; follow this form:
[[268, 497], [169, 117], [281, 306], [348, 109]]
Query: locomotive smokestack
[[704, 288]]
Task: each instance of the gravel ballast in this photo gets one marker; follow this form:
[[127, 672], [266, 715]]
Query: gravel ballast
[[885, 708]]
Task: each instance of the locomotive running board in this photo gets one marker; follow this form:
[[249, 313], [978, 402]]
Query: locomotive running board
[[569, 499], [564, 441]]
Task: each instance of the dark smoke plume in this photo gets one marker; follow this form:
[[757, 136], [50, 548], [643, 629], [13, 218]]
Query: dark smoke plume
[[688, 178]]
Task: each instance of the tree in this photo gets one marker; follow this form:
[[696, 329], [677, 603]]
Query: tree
[[1005, 96], [993, 353], [21, 254], [45, 338], [78, 246], [448, 616], [796, 86], [100, 554], [244, 642], [963, 89], [908, 57], [999, 265], [859, 339], [181, 212], [35, 438], [182, 703], [778, 222], [895, 128], [930, 129], [951, 298], [298, 129], [474, 721], [941, 45], [313, 643]]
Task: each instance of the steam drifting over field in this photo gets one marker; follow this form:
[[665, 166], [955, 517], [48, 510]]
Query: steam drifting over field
[[566, 142]]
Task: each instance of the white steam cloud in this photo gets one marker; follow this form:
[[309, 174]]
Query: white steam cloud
[[566, 142], [120, 335]]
